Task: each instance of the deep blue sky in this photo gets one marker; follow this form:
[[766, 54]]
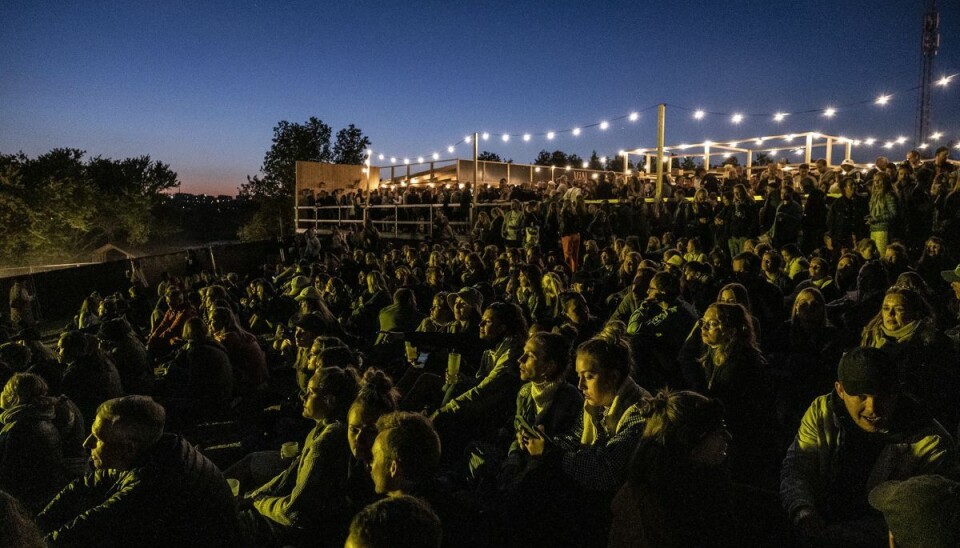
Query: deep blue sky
[[200, 85]]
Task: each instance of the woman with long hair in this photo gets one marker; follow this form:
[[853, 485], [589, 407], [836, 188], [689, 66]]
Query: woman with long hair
[[733, 370], [883, 210], [906, 328]]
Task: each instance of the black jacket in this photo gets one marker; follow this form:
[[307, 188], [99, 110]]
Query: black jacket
[[172, 497], [30, 455]]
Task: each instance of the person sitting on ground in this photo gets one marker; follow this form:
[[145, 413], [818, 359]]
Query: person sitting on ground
[[89, 377], [31, 453], [396, 521], [678, 492], [167, 330], [659, 326], [128, 354], [920, 512], [148, 488], [306, 501], [200, 378], [16, 524], [546, 399], [865, 432], [582, 468]]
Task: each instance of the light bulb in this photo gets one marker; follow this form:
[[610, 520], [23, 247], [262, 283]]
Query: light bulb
[[634, 116], [551, 135], [467, 139], [882, 100], [778, 117], [406, 161], [869, 141], [436, 156], [393, 160], [485, 135], [576, 131], [944, 81], [585, 164], [936, 135], [737, 118], [604, 125], [380, 157], [830, 112], [505, 137], [699, 114], [450, 149], [526, 136]]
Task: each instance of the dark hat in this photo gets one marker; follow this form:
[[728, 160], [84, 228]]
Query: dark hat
[[312, 322], [920, 511], [868, 371], [470, 295]]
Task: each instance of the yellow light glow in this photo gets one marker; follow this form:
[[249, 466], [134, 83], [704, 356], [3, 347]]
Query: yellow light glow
[[567, 168], [467, 139], [585, 164], [734, 144], [944, 81], [889, 144], [923, 146], [901, 139], [536, 170]]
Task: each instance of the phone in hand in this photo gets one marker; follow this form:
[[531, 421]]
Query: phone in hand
[[529, 430]]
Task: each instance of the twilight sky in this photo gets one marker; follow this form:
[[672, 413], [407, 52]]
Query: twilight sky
[[200, 85]]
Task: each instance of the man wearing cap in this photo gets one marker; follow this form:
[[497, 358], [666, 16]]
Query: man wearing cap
[[850, 440], [923, 511]]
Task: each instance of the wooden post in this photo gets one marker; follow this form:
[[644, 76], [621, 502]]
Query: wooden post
[[808, 150], [829, 155], [661, 118]]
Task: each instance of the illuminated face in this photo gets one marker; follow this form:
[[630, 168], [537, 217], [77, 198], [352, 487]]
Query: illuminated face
[[817, 270], [303, 338], [895, 313], [491, 328], [461, 309], [871, 412], [316, 406], [934, 248], [727, 296], [532, 365], [361, 433], [711, 329], [107, 451], [599, 387], [381, 468], [769, 263]]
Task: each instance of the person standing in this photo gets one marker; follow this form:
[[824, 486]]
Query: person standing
[[21, 304]]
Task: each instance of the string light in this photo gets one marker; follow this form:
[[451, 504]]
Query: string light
[[603, 159], [505, 137], [604, 125], [790, 137], [869, 141], [829, 112], [380, 157], [467, 139], [901, 139], [406, 161], [585, 165], [634, 116], [882, 100], [778, 117], [936, 135], [393, 160], [576, 131], [450, 149], [485, 136], [888, 144], [944, 81], [436, 156], [737, 118], [526, 137], [923, 146], [699, 114], [551, 135]]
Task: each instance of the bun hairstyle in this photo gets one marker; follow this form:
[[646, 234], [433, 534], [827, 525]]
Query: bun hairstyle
[[377, 393], [610, 350]]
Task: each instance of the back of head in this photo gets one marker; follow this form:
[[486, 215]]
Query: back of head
[[134, 418], [920, 511], [410, 439], [396, 521], [23, 389], [376, 392]]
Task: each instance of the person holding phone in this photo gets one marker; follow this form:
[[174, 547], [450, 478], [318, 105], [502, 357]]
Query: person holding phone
[[546, 405]]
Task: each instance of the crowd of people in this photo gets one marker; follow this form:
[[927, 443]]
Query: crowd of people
[[774, 362]]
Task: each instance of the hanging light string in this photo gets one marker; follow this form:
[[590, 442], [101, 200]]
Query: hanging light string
[[698, 114]]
